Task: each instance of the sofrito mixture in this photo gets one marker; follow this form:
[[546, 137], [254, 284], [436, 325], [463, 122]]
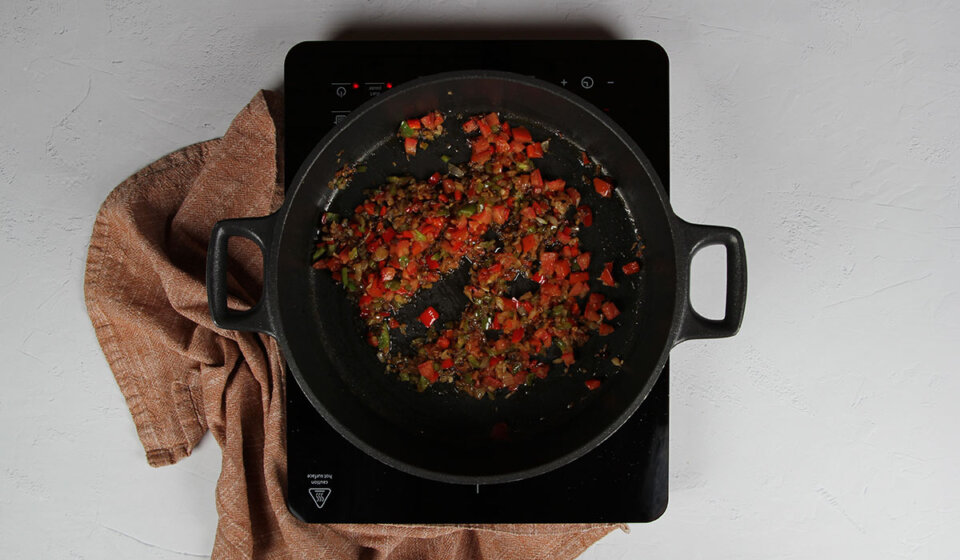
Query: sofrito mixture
[[500, 215]]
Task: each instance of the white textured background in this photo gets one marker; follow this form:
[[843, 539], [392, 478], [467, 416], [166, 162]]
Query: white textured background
[[827, 132]]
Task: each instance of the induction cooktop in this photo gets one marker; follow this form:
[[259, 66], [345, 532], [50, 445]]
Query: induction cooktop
[[624, 479]]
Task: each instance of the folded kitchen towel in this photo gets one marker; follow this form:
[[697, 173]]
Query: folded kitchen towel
[[181, 375]]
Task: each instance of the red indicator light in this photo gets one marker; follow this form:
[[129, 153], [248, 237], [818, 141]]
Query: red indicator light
[[389, 85], [356, 85]]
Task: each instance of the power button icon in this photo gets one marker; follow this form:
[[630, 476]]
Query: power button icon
[[586, 82]]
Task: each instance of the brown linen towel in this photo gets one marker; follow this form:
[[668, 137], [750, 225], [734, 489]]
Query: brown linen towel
[[181, 375]]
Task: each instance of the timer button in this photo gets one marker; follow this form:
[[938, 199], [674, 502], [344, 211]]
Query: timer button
[[586, 82]]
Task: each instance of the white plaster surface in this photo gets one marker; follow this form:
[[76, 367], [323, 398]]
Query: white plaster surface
[[828, 132]]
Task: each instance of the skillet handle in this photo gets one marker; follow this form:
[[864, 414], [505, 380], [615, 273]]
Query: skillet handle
[[258, 318], [696, 237]]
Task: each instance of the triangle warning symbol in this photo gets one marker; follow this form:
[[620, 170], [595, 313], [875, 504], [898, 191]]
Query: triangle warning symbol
[[320, 495]]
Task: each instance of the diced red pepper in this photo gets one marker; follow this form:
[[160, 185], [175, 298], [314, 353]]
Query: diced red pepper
[[501, 214], [534, 150], [429, 121], [592, 384], [584, 159], [529, 243], [555, 185], [388, 273], [567, 358], [470, 126], [482, 157], [443, 342], [602, 187], [492, 119], [539, 278], [592, 316], [413, 123], [388, 234], [434, 179], [583, 261], [579, 277], [536, 179], [605, 329], [410, 146], [484, 217], [429, 316], [411, 271], [446, 364], [484, 128], [610, 310], [607, 275], [586, 215], [521, 134], [550, 289], [631, 267], [426, 370], [578, 289], [516, 336]]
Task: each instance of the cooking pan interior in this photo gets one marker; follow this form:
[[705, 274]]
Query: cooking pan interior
[[439, 433]]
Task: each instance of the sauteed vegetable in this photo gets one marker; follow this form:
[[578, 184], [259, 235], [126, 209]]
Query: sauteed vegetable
[[512, 226]]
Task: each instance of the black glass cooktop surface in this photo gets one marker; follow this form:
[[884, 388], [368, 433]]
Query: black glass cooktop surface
[[622, 480]]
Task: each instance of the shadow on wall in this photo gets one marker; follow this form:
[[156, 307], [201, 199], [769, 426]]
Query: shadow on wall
[[363, 31]]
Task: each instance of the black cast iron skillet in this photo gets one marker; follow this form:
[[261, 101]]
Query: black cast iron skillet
[[440, 434]]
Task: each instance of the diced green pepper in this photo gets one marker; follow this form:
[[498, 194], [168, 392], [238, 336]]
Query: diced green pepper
[[419, 236], [406, 131], [385, 338], [468, 210]]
